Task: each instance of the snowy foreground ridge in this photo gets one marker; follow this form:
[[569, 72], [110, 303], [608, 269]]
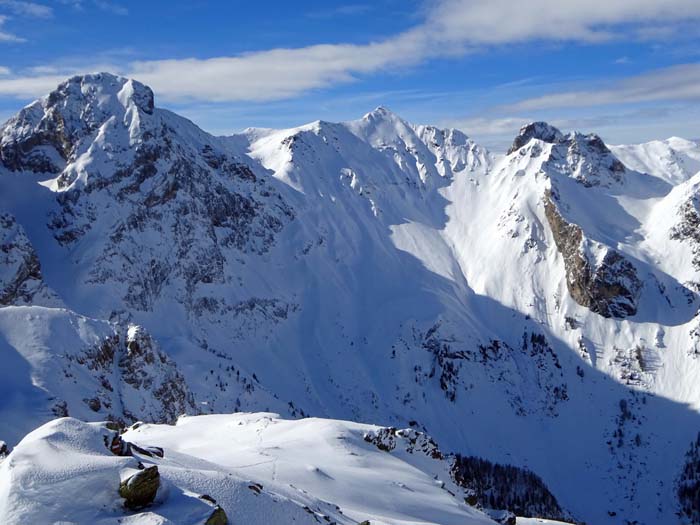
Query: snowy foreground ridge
[[522, 327], [260, 469]]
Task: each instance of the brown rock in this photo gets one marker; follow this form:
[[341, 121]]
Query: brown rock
[[218, 517], [611, 288], [140, 489]]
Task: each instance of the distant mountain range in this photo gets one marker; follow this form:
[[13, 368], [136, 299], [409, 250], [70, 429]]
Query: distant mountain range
[[535, 309]]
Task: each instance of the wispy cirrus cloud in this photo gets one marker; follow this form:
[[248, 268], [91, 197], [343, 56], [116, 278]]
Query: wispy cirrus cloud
[[680, 82], [340, 11], [106, 5], [615, 125], [20, 8], [31, 9], [6, 36], [113, 7], [501, 21], [275, 74]]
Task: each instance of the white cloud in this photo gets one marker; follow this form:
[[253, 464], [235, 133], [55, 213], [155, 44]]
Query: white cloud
[[112, 7], [340, 11], [505, 22], [275, 74], [489, 126], [105, 5], [614, 125], [6, 36], [29, 86], [449, 27], [681, 82], [22, 8]]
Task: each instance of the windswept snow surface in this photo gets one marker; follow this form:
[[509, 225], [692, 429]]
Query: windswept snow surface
[[537, 308], [261, 469]]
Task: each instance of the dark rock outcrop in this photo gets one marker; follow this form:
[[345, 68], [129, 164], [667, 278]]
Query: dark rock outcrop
[[410, 440], [610, 288], [145, 367], [135, 379], [536, 130], [140, 490], [21, 281], [688, 226], [218, 517]]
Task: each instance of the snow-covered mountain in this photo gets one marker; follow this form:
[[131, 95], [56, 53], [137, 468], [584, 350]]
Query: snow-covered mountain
[[535, 309]]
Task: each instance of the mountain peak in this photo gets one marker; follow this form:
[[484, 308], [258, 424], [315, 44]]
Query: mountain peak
[[536, 130], [43, 135], [382, 113], [381, 126], [100, 88]]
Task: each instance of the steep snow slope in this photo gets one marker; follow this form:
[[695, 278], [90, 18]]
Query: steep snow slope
[[379, 271]]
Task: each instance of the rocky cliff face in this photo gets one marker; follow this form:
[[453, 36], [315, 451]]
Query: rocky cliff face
[[21, 281], [536, 130], [88, 369], [138, 381], [607, 285], [687, 225]]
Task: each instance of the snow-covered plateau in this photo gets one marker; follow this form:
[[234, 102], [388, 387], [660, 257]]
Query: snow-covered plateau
[[360, 322]]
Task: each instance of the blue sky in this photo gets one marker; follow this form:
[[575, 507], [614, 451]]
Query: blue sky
[[626, 69]]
